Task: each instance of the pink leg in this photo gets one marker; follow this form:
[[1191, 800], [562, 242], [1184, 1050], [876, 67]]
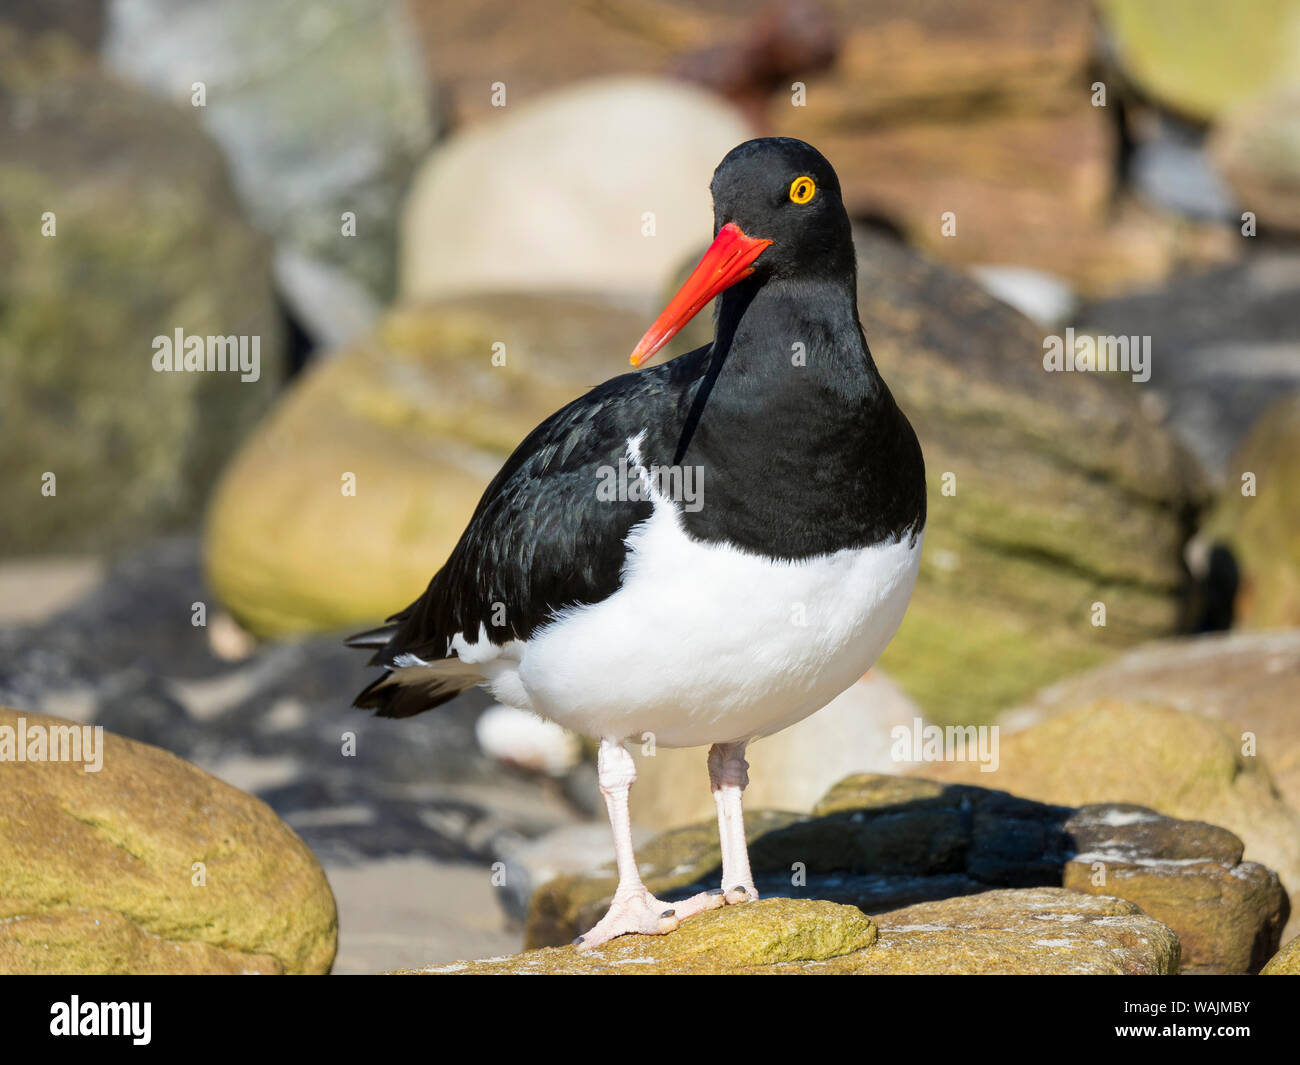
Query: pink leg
[[729, 776], [633, 908]]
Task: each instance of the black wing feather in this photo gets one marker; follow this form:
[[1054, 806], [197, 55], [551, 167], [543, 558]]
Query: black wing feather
[[539, 539]]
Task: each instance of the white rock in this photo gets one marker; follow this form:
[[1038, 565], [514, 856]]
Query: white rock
[[554, 193], [521, 738]]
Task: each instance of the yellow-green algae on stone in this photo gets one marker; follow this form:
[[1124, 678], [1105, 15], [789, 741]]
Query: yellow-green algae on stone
[[97, 870], [1030, 930]]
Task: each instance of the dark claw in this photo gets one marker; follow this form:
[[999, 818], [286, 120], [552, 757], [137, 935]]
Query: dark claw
[[668, 913], [715, 891], [742, 890], [577, 942]]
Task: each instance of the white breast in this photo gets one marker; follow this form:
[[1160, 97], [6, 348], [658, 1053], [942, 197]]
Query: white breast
[[703, 643]]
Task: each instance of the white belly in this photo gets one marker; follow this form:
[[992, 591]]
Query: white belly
[[706, 644]]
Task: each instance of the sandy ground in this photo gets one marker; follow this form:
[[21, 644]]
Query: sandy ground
[[408, 912]]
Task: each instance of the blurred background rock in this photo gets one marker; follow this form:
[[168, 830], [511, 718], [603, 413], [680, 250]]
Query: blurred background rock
[[340, 179]]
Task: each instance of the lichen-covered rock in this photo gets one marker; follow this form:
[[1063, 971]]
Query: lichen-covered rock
[[881, 842], [1042, 931], [1181, 764], [117, 225], [1035, 930], [1286, 962], [1228, 913], [150, 865]]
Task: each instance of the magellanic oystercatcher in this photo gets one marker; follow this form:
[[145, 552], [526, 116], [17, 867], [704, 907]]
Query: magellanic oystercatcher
[[710, 620]]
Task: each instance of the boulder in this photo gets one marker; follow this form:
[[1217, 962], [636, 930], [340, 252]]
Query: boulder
[[878, 843], [1202, 59], [322, 108], [117, 226], [1257, 146], [565, 193], [1039, 931], [421, 414], [148, 864], [1179, 763], [1257, 518], [1015, 557], [1250, 680]]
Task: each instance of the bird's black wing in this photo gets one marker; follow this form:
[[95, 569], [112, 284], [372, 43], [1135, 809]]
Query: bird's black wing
[[540, 539]]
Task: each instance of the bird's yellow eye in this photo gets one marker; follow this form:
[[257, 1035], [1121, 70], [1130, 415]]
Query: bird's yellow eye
[[802, 189]]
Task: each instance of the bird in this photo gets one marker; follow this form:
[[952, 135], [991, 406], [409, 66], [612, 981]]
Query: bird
[[697, 553]]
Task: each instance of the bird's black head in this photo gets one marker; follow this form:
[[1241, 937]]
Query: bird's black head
[[777, 214], [783, 190]]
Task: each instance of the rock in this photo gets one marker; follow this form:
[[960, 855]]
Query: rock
[[1228, 913], [146, 239], [1224, 348], [523, 739], [1262, 529], [1037, 930], [422, 416], [98, 870], [1040, 297], [993, 121], [788, 771], [1181, 764], [569, 186], [1286, 962], [321, 106], [1248, 680], [1013, 562], [1258, 148], [878, 843], [1202, 59]]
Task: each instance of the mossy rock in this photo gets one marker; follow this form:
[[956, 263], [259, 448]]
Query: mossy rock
[[993, 932], [1201, 59], [145, 237], [100, 871]]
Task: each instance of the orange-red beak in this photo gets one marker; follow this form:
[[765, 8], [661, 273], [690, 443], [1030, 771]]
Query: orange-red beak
[[730, 257]]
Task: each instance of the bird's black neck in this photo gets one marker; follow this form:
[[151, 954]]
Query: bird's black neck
[[803, 449], [797, 334]]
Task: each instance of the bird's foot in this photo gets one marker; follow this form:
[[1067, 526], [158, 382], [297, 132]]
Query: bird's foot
[[636, 911]]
